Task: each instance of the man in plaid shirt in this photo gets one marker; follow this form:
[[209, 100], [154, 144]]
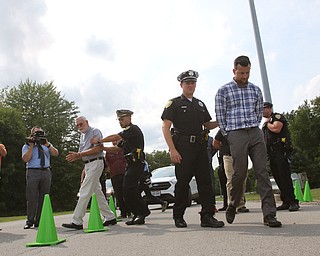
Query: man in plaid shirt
[[239, 108]]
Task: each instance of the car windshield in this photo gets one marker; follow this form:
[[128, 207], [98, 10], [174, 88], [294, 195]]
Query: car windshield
[[163, 172]]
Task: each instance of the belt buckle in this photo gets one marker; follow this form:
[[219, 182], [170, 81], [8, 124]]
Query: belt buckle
[[192, 139]]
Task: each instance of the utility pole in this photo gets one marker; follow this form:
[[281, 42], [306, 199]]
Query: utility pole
[[262, 64]]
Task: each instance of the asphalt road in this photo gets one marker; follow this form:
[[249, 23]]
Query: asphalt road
[[300, 235]]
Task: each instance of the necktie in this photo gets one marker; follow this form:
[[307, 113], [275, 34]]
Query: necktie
[[41, 155]]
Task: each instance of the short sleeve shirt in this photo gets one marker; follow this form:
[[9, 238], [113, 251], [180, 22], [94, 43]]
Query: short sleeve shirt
[[187, 116], [133, 138]]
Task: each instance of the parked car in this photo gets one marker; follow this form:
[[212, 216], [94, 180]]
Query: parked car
[[163, 181], [294, 177], [110, 191]]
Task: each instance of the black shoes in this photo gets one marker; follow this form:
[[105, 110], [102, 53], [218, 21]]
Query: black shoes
[[110, 222], [243, 209], [223, 209], [230, 214], [28, 225], [271, 221], [208, 221], [72, 225], [164, 205], [294, 207], [291, 207], [180, 223], [136, 220], [283, 207]]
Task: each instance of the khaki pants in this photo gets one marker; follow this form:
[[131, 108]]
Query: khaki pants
[[91, 184], [228, 168]]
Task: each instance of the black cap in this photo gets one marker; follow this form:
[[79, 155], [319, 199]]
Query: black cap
[[189, 75], [267, 104], [123, 112]]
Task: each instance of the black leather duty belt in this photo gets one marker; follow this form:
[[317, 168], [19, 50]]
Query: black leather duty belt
[[191, 138], [93, 159]]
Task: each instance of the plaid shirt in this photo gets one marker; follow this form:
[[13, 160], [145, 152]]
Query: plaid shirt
[[238, 107]]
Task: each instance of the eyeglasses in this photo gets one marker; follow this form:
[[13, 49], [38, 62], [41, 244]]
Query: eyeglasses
[[79, 124]]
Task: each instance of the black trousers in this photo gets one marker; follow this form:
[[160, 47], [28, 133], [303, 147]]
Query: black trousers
[[223, 184], [194, 162], [132, 195], [117, 184], [281, 172]]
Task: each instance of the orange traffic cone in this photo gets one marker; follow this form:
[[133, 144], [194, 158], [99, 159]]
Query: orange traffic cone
[[47, 234], [95, 221]]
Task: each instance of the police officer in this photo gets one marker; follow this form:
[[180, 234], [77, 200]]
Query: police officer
[[132, 143], [277, 139], [187, 143]]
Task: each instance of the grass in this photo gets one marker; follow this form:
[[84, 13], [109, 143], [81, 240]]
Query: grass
[[249, 197], [255, 197]]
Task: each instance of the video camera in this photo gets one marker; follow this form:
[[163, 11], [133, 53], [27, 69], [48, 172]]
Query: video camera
[[38, 137]]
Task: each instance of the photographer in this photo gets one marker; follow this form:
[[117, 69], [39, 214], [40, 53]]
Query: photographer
[[36, 154]]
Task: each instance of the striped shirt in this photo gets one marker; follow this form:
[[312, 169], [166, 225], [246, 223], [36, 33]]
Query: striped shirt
[[238, 107]]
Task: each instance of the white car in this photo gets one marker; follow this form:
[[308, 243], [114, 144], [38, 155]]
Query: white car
[[163, 181], [275, 188]]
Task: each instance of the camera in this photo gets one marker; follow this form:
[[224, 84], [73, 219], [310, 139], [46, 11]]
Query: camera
[[38, 137]]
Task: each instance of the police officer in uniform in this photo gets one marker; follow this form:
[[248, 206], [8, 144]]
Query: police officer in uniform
[[277, 139], [187, 142], [132, 143]]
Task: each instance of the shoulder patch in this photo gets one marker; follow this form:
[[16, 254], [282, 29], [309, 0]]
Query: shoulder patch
[[168, 104], [278, 116]]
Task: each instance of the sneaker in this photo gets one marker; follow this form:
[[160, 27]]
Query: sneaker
[[131, 222], [209, 221], [271, 221], [72, 225], [283, 207], [140, 220], [294, 207], [230, 214], [164, 206], [110, 222], [28, 225], [243, 209]]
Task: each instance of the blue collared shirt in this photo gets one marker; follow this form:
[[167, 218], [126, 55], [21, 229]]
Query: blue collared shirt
[[238, 107], [85, 142], [34, 162]]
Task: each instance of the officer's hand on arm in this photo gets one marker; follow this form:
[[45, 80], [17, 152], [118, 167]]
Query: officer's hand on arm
[[174, 154]]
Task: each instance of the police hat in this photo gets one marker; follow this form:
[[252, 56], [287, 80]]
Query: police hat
[[189, 75], [123, 112], [267, 104]]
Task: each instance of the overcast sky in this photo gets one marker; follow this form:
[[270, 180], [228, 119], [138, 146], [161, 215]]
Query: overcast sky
[[106, 55]]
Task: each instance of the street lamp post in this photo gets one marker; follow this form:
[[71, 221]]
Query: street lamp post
[[262, 64]]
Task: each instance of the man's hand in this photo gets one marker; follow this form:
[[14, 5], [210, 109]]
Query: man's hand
[[175, 156], [73, 156]]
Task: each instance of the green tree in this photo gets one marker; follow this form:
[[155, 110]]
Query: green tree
[[304, 126], [12, 174], [158, 159], [44, 106]]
